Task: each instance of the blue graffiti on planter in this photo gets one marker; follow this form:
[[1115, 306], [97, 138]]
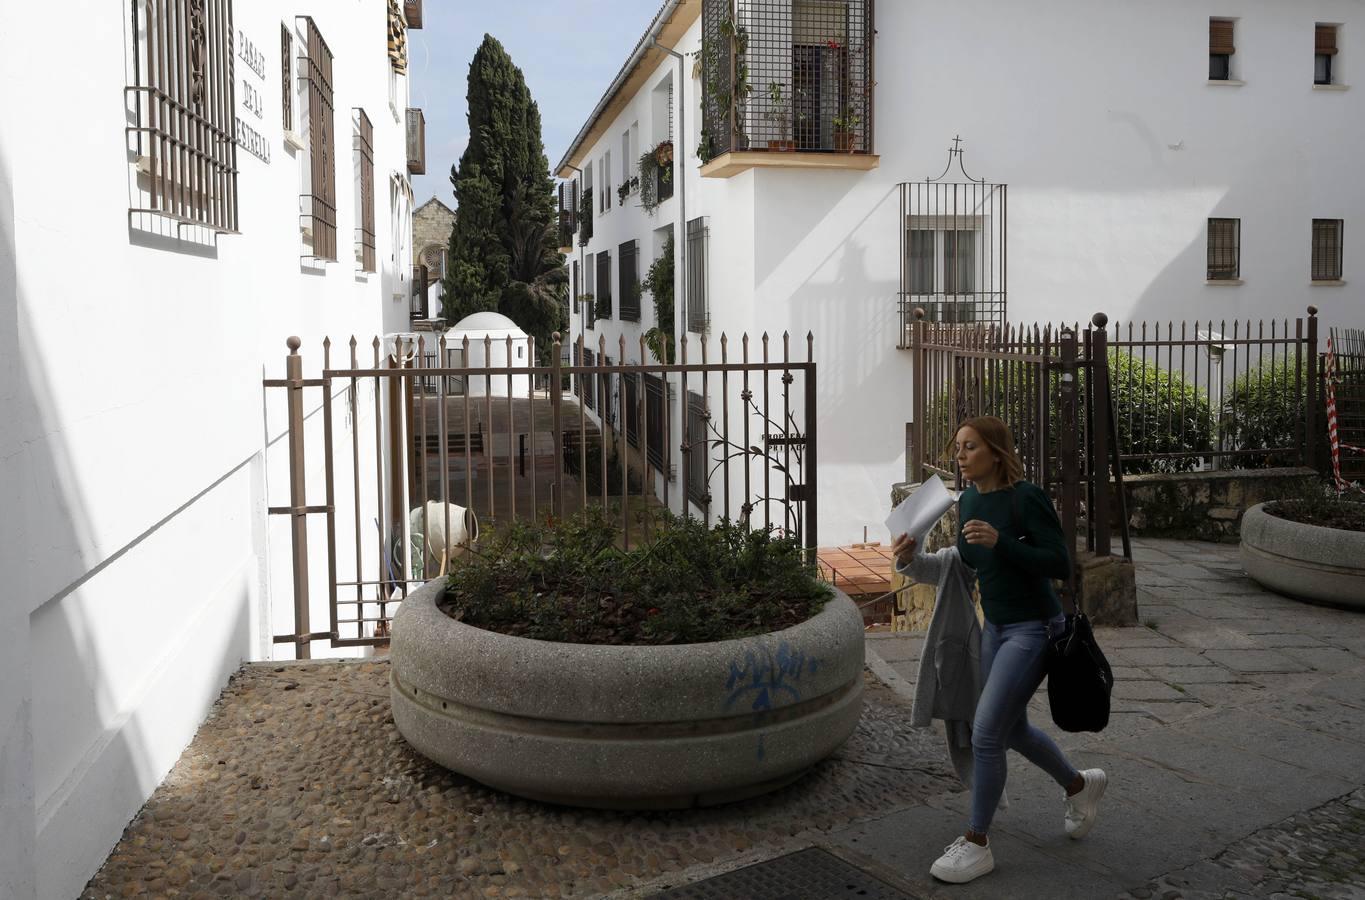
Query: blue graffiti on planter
[[762, 677]]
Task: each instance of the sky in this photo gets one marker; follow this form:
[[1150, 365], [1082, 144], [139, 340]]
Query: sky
[[569, 51]]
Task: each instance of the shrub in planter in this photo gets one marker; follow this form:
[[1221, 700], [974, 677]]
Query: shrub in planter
[[708, 666], [1311, 548], [692, 584]]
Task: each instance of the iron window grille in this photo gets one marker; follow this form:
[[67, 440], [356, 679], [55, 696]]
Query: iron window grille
[[1324, 50], [698, 416], [568, 209], [1221, 49], [587, 384], [576, 292], [953, 248], [654, 422], [698, 232], [1225, 249], [585, 214], [632, 383], [590, 289], [417, 307], [628, 281], [1327, 245], [364, 160], [287, 76], [787, 75], [602, 299], [319, 205], [183, 105]]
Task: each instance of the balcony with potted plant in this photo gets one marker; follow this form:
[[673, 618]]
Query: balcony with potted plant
[[816, 108]]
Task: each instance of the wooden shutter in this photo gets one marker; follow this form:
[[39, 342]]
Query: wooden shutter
[[1220, 37], [1325, 40]]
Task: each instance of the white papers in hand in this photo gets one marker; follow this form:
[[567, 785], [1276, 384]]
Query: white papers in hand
[[918, 513]]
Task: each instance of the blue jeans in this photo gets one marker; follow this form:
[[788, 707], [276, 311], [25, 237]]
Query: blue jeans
[[1012, 662]]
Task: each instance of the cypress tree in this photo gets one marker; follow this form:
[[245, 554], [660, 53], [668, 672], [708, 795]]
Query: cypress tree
[[503, 251]]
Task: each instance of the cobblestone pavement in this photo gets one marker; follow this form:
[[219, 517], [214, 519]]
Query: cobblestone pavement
[[299, 785], [1315, 854]]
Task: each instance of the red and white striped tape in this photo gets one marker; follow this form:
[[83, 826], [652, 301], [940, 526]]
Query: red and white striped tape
[[1332, 435]]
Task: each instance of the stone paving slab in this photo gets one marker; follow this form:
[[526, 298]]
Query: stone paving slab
[[1256, 660], [1161, 656]]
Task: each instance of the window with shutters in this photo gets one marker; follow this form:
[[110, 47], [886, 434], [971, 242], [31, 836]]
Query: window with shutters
[[628, 281], [182, 105], [1221, 49], [602, 302], [319, 202], [1327, 249], [1324, 53], [363, 151], [698, 415], [590, 288], [1225, 250], [576, 293], [698, 232]]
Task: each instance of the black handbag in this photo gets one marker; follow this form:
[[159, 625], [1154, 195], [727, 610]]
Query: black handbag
[[1079, 680]]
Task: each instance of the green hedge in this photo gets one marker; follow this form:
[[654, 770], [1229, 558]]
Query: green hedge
[[1266, 407]]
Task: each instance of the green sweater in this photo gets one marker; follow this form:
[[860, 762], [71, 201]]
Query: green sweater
[[1016, 575]]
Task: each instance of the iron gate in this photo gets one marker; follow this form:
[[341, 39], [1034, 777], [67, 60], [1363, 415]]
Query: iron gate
[[432, 452]]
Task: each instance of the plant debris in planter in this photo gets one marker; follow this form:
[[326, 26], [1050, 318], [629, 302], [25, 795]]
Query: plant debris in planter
[[572, 583], [1325, 512]]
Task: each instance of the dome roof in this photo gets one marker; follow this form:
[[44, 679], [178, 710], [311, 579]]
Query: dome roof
[[487, 321]]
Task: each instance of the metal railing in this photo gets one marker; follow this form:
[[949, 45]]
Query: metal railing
[[429, 451], [1050, 385]]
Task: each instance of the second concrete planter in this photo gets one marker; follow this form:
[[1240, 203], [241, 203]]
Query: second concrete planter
[[1323, 565], [626, 727]]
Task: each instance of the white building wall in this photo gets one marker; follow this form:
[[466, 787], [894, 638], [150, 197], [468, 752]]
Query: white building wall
[[1116, 150], [141, 452]]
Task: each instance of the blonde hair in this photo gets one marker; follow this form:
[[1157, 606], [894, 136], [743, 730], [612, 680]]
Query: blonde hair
[[997, 437]]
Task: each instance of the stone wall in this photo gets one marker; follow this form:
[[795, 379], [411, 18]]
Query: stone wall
[[1206, 506], [431, 225]]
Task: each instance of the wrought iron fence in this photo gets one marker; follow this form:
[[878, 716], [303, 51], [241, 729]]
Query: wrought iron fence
[[1348, 350], [1049, 385], [782, 76], [1206, 395], [443, 439]]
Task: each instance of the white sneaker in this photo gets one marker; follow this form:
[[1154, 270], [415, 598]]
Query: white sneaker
[[1084, 807], [963, 861]]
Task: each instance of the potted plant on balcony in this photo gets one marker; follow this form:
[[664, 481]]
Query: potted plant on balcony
[[626, 188], [709, 665], [846, 129], [779, 113]]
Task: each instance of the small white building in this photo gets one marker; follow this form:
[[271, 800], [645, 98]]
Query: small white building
[[496, 342], [163, 229], [1163, 161]]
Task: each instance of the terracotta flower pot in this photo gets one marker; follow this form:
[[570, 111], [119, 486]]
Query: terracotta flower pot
[[782, 145], [845, 141]]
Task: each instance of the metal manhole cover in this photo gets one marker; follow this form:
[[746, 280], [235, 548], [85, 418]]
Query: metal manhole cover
[[812, 874]]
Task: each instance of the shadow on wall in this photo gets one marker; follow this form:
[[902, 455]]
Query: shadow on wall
[[95, 704], [844, 297]]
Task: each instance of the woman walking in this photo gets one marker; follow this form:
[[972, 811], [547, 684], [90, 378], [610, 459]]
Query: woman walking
[[1011, 537]]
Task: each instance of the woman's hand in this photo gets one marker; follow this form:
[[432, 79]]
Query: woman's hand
[[982, 533], [904, 548]]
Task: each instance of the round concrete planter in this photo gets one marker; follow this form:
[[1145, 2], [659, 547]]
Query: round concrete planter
[[626, 727], [1308, 562]]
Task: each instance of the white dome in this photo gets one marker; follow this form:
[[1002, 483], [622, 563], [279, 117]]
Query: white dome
[[488, 321]]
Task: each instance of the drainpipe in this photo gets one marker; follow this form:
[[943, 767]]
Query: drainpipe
[[680, 230]]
